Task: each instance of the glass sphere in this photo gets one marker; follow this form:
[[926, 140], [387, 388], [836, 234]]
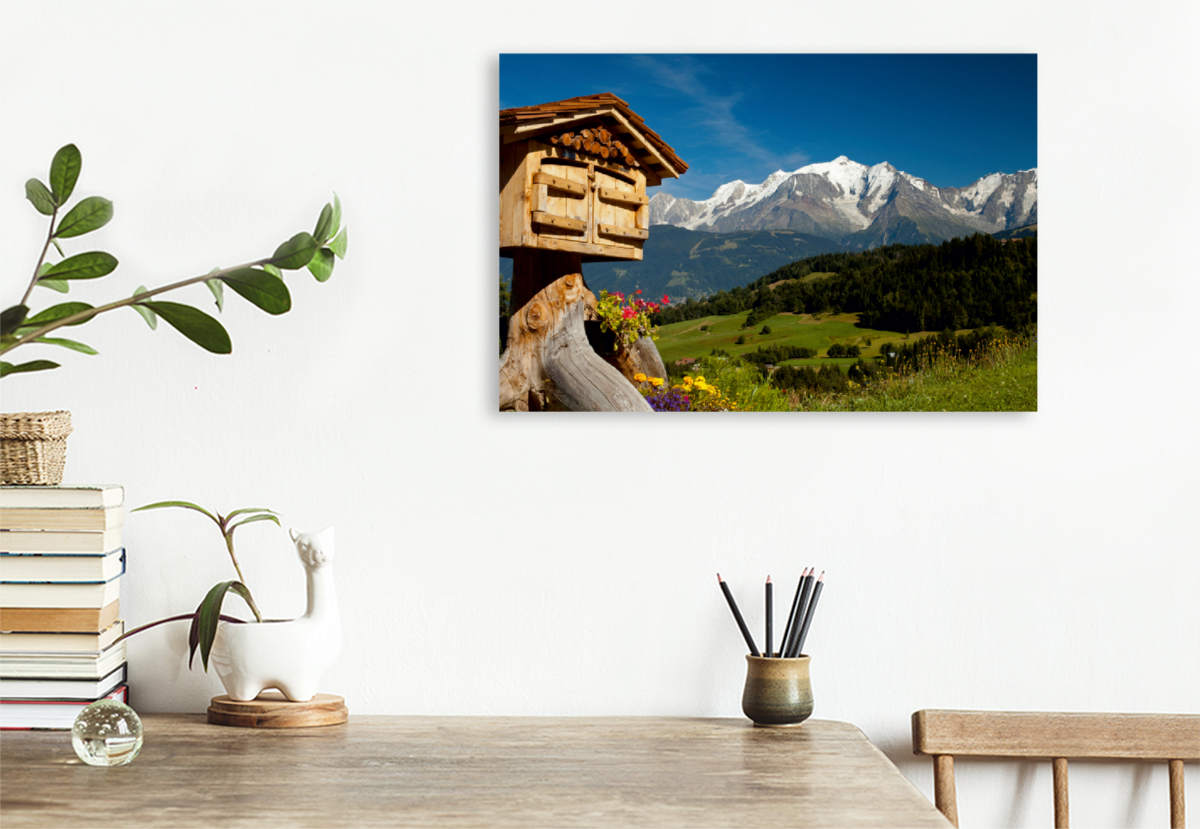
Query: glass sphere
[[107, 733]]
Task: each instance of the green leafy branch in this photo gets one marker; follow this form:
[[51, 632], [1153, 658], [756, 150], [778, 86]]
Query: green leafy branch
[[205, 617], [259, 281]]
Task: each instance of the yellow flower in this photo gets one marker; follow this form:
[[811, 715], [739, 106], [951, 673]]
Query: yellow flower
[[700, 379], [687, 381], [641, 378], [656, 381]]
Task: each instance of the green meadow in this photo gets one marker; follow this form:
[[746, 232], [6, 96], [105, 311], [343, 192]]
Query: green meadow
[[698, 337]]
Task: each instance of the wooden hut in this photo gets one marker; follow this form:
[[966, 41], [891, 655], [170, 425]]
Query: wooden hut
[[573, 179]]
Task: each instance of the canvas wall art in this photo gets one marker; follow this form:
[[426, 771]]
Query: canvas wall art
[[747, 233]]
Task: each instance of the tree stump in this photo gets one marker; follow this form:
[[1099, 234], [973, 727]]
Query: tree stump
[[549, 365], [642, 357]]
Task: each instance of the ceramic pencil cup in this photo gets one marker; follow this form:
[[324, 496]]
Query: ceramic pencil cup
[[778, 691]]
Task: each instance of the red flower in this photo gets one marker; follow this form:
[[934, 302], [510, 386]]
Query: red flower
[[666, 300], [637, 292], [626, 313]]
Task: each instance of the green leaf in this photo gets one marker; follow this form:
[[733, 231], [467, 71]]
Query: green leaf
[[295, 252], [245, 510], [11, 319], [218, 292], [65, 343], [194, 324], [56, 312], [324, 228], [60, 285], [39, 195], [338, 245], [252, 519], [83, 266], [322, 264], [208, 615], [183, 504], [337, 214], [91, 213], [149, 316], [64, 172], [36, 365], [274, 271], [261, 288]]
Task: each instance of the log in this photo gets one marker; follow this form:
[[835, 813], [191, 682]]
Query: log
[[548, 364], [642, 357]]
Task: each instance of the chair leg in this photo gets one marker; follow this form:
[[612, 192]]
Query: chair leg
[[1062, 809], [1178, 821], [943, 787]]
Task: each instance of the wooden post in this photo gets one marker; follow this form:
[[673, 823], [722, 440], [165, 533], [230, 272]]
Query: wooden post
[[1175, 767], [549, 364], [943, 787], [1062, 804]]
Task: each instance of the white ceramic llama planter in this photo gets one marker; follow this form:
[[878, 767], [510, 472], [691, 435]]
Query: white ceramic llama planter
[[291, 655]]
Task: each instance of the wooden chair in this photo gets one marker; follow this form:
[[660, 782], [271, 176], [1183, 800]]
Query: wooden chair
[[945, 735]]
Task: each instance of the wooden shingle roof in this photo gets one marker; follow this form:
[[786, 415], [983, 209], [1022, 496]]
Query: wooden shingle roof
[[533, 120]]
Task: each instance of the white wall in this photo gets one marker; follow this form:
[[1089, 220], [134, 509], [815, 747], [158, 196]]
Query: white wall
[[565, 565]]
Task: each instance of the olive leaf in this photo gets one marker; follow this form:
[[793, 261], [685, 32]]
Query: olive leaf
[[90, 214], [321, 265], [35, 365], [11, 319], [325, 227], [64, 172], [57, 312], [149, 316], [82, 266], [338, 245], [39, 195], [65, 343], [265, 290], [295, 252], [194, 324]]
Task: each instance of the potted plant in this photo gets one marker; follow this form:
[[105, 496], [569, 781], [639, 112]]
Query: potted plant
[[33, 445], [249, 657]]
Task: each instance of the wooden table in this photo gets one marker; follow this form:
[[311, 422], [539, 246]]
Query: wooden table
[[466, 771]]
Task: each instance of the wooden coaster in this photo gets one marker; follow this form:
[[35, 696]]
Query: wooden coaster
[[271, 709]]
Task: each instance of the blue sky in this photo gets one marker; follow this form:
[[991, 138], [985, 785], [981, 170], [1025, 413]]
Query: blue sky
[[949, 119]]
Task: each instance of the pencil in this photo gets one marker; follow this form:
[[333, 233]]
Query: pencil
[[803, 589], [793, 644], [737, 615], [808, 616], [770, 613], [791, 622]]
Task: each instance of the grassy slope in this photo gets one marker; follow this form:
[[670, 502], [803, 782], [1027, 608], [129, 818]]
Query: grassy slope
[[685, 339], [1009, 385]]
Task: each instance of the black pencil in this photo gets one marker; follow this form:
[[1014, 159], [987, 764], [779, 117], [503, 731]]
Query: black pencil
[[737, 615], [791, 622], [770, 613], [805, 587], [808, 616], [802, 613]]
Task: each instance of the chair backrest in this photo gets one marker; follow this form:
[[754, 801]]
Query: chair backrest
[[945, 735]]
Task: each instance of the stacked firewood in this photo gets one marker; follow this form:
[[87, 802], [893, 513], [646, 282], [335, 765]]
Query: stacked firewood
[[597, 141]]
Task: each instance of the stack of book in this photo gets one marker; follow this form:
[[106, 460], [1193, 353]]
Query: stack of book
[[61, 562]]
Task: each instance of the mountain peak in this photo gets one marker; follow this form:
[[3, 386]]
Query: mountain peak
[[841, 198]]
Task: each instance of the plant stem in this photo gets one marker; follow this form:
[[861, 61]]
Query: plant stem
[[229, 544], [178, 618], [133, 300], [37, 269]]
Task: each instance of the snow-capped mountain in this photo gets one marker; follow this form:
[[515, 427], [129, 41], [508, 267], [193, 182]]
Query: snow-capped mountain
[[857, 205]]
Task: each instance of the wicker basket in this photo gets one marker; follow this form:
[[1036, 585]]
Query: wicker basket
[[33, 447]]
